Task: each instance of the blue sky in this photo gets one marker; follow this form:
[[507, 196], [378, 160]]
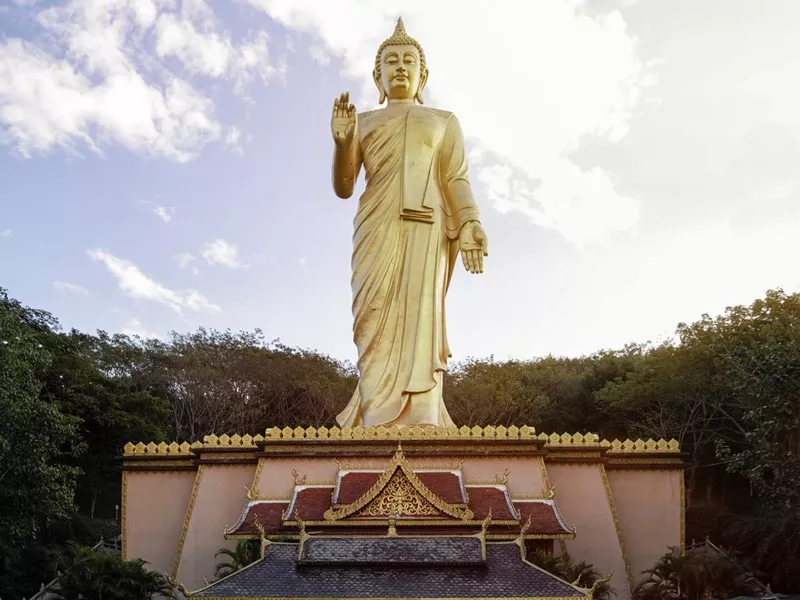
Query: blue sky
[[166, 164]]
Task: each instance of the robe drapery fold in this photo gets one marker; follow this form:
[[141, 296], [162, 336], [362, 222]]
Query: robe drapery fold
[[405, 244]]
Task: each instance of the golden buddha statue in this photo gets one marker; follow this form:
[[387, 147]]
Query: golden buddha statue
[[416, 214]]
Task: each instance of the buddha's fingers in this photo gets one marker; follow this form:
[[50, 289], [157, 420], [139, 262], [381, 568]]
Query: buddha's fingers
[[476, 259]]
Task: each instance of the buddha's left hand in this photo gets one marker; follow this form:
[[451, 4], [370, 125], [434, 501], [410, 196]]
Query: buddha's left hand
[[474, 246]]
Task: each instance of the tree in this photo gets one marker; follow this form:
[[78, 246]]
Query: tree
[[581, 574], [245, 553], [694, 575], [96, 575], [36, 486]]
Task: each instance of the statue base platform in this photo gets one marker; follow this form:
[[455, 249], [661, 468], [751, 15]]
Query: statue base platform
[[407, 512]]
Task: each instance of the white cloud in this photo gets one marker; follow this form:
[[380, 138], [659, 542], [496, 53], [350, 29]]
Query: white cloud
[[220, 252], [320, 56], [64, 286], [543, 76], [137, 284], [5, 233], [165, 213], [233, 139], [98, 77], [205, 51], [184, 259], [134, 327], [302, 260]]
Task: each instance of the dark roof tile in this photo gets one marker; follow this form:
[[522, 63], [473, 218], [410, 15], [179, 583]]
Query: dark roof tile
[[278, 576], [418, 550]]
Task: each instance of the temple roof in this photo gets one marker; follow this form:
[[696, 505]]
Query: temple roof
[[419, 500], [382, 550], [278, 575], [447, 485], [400, 491]]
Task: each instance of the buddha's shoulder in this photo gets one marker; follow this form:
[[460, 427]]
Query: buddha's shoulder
[[444, 115], [371, 115]]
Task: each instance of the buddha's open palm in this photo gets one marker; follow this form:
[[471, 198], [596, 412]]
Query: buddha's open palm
[[344, 123], [474, 246]]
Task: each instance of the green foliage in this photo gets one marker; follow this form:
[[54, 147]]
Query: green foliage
[[104, 576], [245, 553], [727, 388], [557, 394], [36, 486], [581, 574], [694, 575], [768, 541]]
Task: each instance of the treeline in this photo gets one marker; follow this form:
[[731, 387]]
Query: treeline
[[727, 387]]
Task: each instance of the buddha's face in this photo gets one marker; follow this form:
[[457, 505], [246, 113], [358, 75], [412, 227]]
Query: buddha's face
[[401, 75]]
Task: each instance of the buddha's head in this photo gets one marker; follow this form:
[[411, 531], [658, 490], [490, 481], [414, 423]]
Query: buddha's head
[[400, 72]]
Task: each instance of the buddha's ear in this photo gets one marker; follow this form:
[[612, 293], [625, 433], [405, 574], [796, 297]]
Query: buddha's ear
[[376, 77], [423, 79]]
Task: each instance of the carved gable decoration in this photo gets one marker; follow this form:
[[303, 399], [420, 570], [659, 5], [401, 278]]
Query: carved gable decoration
[[400, 498], [398, 492]]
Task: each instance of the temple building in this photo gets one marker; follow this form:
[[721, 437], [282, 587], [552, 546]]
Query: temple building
[[397, 533], [420, 512]]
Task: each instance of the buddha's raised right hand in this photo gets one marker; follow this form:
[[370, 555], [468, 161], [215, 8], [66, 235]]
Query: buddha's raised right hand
[[344, 123]]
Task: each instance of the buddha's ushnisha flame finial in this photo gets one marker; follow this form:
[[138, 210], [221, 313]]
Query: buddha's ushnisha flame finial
[[400, 38]]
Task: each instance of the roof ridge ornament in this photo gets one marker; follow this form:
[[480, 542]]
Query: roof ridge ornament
[[407, 489]]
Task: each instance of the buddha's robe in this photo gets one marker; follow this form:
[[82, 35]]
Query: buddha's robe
[[405, 245]]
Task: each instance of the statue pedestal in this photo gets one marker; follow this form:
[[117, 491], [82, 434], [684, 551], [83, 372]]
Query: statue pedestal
[[353, 500]]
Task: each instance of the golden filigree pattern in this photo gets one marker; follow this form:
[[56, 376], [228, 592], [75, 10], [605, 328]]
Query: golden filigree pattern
[[637, 446], [398, 463], [164, 449], [400, 498], [176, 563], [552, 440], [416, 432], [618, 526]]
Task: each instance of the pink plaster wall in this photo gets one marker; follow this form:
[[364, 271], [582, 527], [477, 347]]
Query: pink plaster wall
[[524, 478], [649, 506], [277, 480], [221, 496], [524, 474], [155, 504], [582, 499]]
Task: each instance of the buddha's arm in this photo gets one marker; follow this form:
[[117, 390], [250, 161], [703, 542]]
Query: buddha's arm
[[346, 166], [460, 207]]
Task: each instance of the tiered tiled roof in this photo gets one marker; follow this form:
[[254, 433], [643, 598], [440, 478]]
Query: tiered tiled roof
[[447, 485], [462, 550], [504, 575], [363, 500]]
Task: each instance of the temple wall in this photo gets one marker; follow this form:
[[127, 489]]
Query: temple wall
[[581, 494], [650, 506], [624, 497], [219, 495], [525, 478], [275, 477], [154, 504]]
